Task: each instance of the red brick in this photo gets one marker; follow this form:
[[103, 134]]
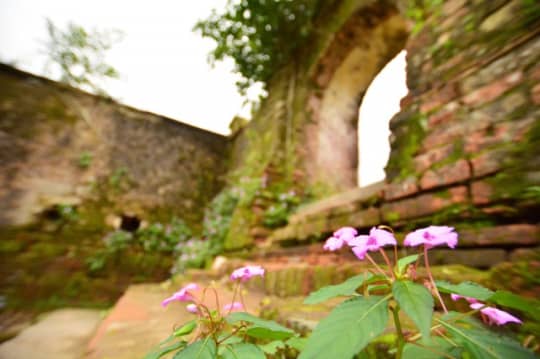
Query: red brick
[[443, 116], [488, 162], [406, 101], [449, 174], [512, 235], [439, 97], [400, 189], [535, 94], [425, 160], [423, 205], [481, 192], [534, 74], [493, 90]]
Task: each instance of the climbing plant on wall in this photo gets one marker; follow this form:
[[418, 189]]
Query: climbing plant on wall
[[259, 35]]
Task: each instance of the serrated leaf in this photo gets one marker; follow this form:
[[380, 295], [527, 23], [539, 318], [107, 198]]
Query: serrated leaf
[[480, 343], [201, 349], [439, 349], [296, 343], [417, 302], [161, 352], [348, 328], [511, 300], [343, 289], [260, 328], [405, 261], [243, 351], [272, 347], [467, 289]]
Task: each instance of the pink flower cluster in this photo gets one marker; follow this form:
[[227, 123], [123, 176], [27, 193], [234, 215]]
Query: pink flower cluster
[[493, 315], [186, 293], [431, 236], [247, 272]]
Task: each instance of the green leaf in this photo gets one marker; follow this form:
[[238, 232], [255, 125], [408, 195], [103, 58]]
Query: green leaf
[[467, 289], [297, 343], [405, 261], [417, 302], [272, 347], [260, 328], [348, 328], [346, 288], [376, 287], [243, 351], [186, 328], [438, 350], [201, 349], [481, 343], [511, 300], [161, 352]]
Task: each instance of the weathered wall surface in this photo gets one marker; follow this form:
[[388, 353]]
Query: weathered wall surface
[[465, 145], [304, 137], [60, 146], [71, 165]]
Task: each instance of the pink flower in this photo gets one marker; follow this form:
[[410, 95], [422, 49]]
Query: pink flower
[[340, 237], [233, 306], [182, 295], [376, 239], [496, 316], [192, 308], [456, 297], [432, 236], [245, 273]]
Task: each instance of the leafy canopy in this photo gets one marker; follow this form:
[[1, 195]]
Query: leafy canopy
[[78, 56], [259, 35]]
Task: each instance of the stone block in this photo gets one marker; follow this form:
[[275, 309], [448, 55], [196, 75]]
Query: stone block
[[423, 205], [400, 189], [427, 159], [441, 96], [514, 235], [481, 192], [502, 17], [361, 219], [488, 162], [477, 258], [452, 173], [493, 90], [535, 94]]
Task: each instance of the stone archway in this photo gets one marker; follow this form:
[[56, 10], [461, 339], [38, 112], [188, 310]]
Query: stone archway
[[367, 41]]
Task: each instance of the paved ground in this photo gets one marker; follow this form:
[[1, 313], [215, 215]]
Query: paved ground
[[138, 322], [61, 334]]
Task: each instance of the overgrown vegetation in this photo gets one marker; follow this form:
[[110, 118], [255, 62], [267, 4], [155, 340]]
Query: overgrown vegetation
[[260, 36], [77, 56]]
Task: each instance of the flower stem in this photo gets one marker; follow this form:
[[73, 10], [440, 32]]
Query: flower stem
[[234, 296], [401, 338], [375, 265], [426, 261], [387, 260]]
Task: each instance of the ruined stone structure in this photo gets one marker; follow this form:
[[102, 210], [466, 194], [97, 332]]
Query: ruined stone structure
[[465, 144], [60, 146]]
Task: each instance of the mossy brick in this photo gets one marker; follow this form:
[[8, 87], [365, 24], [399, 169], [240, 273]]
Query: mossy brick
[[323, 276], [514, 235], [452, 173], [364, 218], [400, 189], [493, 90], [423, 205]]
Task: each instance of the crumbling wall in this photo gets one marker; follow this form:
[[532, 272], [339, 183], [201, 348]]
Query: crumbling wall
[[465, 146], [61, 146]]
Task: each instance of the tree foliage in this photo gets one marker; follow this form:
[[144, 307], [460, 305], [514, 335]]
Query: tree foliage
[[259, 35], [78, 56]]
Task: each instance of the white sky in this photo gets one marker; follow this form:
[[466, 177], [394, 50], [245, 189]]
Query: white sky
[[163, 64]]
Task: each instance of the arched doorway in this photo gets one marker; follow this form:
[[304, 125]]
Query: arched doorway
[[379, 105]]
